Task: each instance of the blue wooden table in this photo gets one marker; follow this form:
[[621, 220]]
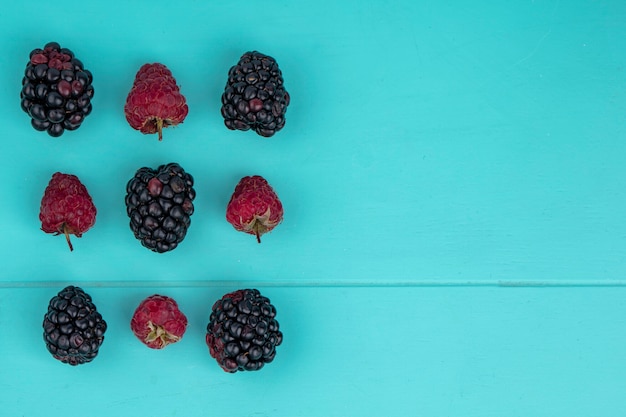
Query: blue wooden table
[[454, 187]]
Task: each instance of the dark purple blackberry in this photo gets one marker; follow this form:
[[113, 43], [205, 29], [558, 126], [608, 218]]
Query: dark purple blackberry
[[255, 97], [56, 90], [159, 203], [243, 333], [72, 328]]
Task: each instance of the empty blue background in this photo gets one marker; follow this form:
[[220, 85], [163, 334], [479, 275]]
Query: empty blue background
[[436, 157]]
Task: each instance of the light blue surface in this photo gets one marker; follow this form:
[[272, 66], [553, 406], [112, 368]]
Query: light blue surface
[[474, 141], [436, 149], [347, 352]]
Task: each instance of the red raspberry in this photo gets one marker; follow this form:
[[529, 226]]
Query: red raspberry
[[158, 322], [155, 101], [254, 207], [66, 207]]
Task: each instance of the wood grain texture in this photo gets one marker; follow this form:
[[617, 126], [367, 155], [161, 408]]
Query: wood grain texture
[[362, 352], [454, 189], [462, 142]]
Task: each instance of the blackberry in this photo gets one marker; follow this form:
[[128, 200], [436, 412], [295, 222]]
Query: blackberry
[[255, 97], [243, 333], [159, 203], [56, 90], [72, 328]]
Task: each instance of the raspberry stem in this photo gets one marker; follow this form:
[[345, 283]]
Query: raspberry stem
[[158, 332], [66, 232], [159, 125], [259, 229]]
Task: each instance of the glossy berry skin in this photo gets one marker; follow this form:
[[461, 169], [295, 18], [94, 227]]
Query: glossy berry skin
[[56, 90], [158, 322], [155, 100], [242, 334], [254, 207], [159, 203], [255, 96], [73, 327], [66, 207]]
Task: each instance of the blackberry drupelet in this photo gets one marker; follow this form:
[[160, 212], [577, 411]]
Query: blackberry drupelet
[[56, 90], [242, 334], [160, 204], [72, 328], [255, 97]]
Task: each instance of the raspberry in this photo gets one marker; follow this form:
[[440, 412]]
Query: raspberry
[[159, 203], [242, 334], [255, 97], [72, 328], [254, 207], [66, 207], [158, 322], [56, 90], [155, 101]]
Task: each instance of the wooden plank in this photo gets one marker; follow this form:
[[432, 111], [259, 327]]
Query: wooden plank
[[425, 143], [357, 351]]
